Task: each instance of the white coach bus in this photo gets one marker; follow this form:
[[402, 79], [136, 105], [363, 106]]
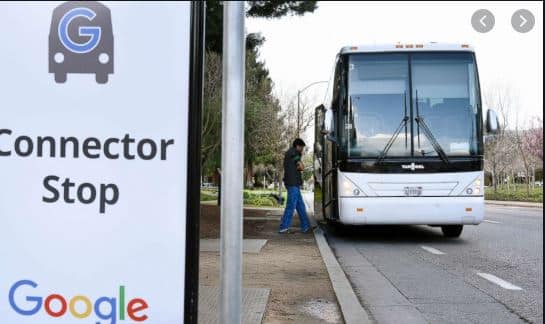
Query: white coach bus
[[399, 139]]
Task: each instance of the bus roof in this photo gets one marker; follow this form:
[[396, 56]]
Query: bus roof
[[407, 47]]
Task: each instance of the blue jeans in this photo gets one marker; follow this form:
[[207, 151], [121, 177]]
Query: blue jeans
[[295, 201]]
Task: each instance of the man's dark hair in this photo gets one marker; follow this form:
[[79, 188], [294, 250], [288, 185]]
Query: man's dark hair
[[298, 142]]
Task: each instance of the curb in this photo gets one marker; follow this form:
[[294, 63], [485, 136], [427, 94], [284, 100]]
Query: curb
[[351, 308], [514, 203]]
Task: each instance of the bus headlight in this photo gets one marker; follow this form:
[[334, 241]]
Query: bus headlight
[[475, 188], [348, 188]]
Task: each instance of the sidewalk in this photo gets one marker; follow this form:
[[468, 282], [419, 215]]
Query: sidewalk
[[289, 267], [514, 203]]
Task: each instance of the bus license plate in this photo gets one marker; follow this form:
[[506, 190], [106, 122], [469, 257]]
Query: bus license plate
[[413, 191]]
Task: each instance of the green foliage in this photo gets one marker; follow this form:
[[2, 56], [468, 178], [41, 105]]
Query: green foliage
[[209, 195], [515, 194], [260, 201], [264, 127], [263, 124], [258, 198], [276, 9], [261, 198], [211, 117], [309, 168]]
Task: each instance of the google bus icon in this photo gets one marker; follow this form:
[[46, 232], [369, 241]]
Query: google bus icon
[[79, 306]]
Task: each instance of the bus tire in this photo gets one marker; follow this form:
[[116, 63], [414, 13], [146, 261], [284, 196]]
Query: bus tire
[[60, 77], [452, 230], [101, 78]]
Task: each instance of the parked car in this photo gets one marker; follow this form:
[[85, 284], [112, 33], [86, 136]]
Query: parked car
[[207, 185]]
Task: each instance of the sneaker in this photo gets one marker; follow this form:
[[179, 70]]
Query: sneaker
[[308, 230], [284, 231]]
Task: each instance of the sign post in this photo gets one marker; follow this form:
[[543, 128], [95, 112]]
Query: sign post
[[99, 161], [232, 162]]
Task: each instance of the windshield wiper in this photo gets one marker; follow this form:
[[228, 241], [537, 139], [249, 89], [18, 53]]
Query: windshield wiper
[[434, 143], [392, 139]]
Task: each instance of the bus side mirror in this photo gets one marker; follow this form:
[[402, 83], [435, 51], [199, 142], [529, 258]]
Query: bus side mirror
[[492, 122]]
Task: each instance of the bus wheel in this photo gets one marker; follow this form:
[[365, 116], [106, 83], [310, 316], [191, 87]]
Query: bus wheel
[[101, 78], [60, 77], [338, 227], [452, 230]]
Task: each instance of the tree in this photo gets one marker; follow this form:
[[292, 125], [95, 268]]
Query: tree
[[523, 154], [532, 146], [211, 117], [499, 150], [264, 123], [533, 139], [265, 9], [298, 120]]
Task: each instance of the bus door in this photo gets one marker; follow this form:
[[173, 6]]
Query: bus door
[[318, 160], [329, 168]]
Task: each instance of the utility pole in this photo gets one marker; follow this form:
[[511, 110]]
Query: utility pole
[[298, 112], [232, 163]]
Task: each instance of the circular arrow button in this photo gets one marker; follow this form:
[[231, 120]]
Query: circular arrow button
[[523, 21], [483, 20]]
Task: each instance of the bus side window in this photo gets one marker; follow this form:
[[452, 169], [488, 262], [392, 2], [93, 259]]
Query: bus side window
[[342, 107], [339, 92]]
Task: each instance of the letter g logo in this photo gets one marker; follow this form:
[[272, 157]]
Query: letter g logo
[[93, 32]]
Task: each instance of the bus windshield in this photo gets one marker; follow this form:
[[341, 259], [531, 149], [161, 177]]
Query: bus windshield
[[411, 104]]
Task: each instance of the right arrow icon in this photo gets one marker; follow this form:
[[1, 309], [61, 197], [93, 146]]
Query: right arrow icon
[[522, 21]]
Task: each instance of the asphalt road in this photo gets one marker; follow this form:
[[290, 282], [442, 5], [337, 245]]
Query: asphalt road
[[493, 273]]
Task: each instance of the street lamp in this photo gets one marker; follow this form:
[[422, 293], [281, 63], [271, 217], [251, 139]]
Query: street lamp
[[298, 103]]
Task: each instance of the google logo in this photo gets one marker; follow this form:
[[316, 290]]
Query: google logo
[[79, 306]]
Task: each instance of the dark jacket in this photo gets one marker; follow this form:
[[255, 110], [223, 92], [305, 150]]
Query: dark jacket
[[292, 176]]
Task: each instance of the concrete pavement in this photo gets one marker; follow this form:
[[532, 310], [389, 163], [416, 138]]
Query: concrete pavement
[[412, 274]]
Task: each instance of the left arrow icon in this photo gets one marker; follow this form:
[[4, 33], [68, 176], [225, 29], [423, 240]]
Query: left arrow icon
[[482, 20]]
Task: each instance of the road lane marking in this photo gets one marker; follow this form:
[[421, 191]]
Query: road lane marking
[[498, 281], [491, 221], [432, 250]]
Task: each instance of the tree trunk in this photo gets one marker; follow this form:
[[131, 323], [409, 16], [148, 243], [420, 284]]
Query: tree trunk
[[494, 180], [249, 173], [526, 177], [280, 176]]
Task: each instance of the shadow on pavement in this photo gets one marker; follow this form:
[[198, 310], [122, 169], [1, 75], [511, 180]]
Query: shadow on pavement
[[390, 234]]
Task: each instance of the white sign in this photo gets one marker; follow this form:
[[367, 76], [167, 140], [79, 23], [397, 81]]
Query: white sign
[[93, 161]]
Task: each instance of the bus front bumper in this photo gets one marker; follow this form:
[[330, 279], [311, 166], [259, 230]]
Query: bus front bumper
[[411, 210]]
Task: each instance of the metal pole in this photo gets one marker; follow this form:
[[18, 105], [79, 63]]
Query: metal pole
[[298, 112], [232, 158]]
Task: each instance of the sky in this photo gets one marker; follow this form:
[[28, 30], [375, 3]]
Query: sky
[[301, 50]]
